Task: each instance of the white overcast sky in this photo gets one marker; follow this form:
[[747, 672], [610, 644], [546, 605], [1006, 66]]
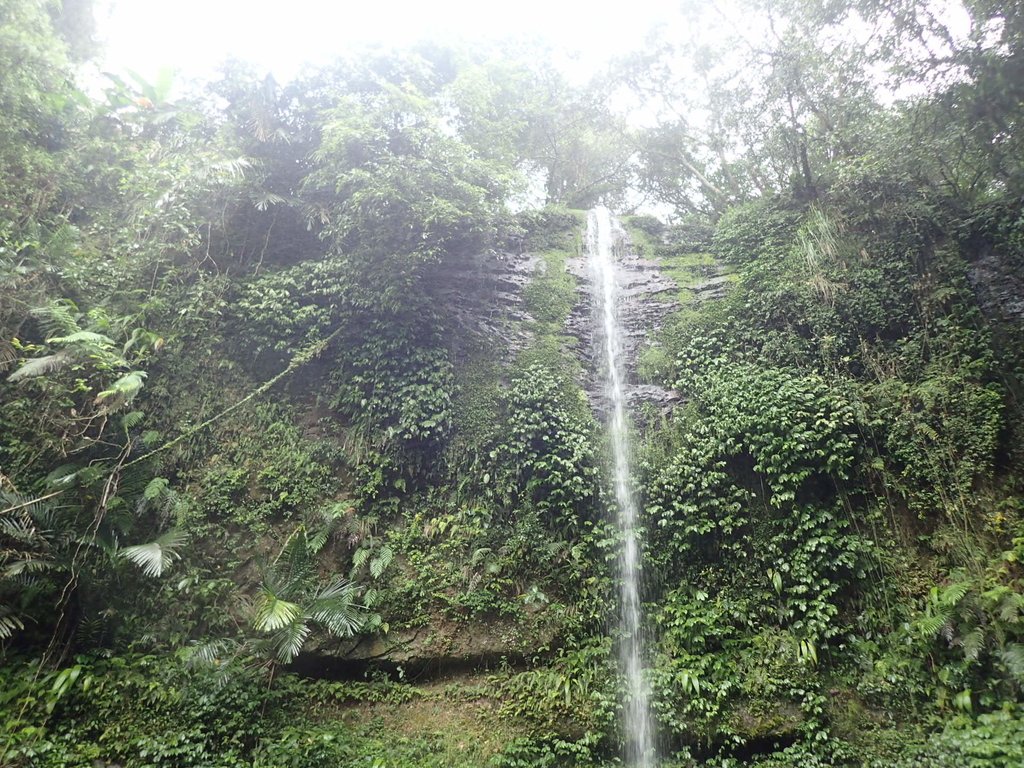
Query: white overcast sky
[[193, 36]]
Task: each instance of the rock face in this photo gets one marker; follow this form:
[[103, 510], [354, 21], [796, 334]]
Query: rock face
[[646, 299], [485, 294], [438, 649], [998, 285]]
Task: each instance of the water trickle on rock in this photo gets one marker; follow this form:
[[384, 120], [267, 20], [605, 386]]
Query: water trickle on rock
[[638, 730]]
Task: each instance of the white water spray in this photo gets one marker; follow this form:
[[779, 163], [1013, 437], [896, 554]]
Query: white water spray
[[637, 724]]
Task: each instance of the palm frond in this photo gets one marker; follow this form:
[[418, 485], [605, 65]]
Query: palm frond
[[334, 607], [156, 557], [273, 613], [266, 199], [27, 565], [8, 354], [293, 562], [19, 526], [212, 653], [9, 622], [41, 366], [288, 641]]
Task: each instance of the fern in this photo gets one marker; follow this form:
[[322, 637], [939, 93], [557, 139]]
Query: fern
[[1013, 657], [131, 420], [84, 338], [973, 643], [57, 318], [155, 488], [380, 563], [122, 391]]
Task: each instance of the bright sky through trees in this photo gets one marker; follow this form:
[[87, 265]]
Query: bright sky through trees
[[193, 36]]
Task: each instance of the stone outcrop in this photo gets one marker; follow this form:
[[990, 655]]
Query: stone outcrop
[[485, 297], [647, 297], [998, 285]]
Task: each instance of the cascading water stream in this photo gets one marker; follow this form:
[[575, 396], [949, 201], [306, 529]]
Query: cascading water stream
[[637, 724]]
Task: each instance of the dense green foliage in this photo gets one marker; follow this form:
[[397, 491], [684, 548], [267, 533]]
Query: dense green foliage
[[291, 384]]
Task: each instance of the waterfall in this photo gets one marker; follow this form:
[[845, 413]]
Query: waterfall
[[637, 724]]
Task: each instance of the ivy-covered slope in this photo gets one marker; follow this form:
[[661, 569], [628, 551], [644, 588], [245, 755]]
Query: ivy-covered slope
[[834, 515]]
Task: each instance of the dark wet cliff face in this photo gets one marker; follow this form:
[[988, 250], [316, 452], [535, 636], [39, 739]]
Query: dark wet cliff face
[[998, 282], [647, 298], [486, 299]]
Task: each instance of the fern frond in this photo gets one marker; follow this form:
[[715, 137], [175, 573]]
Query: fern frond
[[1011, 607], [954, 593], [380, 563], [57, 318], [155, 488], [122, 391], [973, 643], [85, 338], [1013, 658], [359, 557], [930, 626], [131, 420]]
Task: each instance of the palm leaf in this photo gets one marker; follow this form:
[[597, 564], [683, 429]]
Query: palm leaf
[[273, 613], [9, 622], [156, 557], [41, 366], [334, 608], [212, 653], [293, 562], [27, 565], [288, 641]]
